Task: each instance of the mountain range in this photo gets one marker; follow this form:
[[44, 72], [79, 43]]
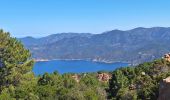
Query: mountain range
[[133, 46]]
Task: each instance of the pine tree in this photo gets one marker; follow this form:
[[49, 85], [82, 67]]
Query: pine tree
[[15, 63]]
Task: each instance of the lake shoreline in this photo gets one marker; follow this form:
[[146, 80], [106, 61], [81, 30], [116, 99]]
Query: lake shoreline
[[97, 61]]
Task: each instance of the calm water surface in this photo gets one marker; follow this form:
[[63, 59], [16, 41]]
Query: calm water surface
[[63, 66]]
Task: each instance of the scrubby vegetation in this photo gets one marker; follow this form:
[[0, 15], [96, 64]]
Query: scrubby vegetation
[[17, 81], [140, 82]]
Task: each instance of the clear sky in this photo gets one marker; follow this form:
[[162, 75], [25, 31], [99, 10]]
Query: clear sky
[[43, 17]]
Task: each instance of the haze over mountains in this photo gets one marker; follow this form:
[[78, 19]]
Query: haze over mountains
[[133, 46]]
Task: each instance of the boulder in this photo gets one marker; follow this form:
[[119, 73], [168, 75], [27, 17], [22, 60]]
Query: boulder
[[167, 57], [76, 77], [164, 89], [103, 77]]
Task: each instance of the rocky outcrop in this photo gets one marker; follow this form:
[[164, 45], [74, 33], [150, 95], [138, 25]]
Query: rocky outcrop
[[164, 89], [76, 77], [104, 77], [167, 57]]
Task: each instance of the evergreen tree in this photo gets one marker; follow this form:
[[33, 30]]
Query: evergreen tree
[[15, 64]]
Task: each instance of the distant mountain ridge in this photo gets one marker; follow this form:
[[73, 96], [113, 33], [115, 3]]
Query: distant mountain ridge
[[51, 38], [133, 46]]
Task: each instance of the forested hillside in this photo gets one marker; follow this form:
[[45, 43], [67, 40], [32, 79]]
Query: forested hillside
[[133, 46], [140, 82], [17, 81]]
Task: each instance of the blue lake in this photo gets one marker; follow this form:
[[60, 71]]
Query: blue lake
[[74, 66]]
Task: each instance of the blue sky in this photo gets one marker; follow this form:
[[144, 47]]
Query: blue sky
[[43, 17]]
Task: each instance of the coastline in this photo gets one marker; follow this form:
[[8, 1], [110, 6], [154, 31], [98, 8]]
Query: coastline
[[41, 60], [92, 60]]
